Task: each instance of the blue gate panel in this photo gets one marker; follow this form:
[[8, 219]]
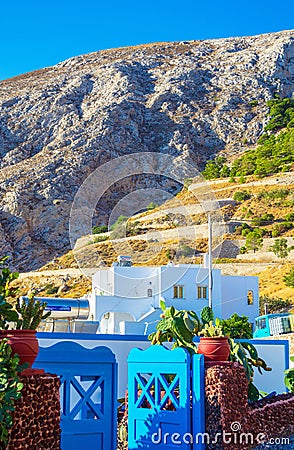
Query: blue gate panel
[[198, 402], [159, 414], [88, 394]]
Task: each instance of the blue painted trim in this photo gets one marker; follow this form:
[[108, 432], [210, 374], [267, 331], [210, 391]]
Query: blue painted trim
[[158, 353], [263, 341], [198, 399], [73, 352], [95, 337]]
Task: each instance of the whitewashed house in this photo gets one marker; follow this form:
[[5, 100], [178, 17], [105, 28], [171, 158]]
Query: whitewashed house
[[126, 299]]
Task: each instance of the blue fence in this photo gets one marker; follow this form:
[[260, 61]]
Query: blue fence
[[88, 394], [165, 403]]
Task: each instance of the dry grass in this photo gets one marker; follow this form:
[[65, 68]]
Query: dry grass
[[47, 286], [271, 282]]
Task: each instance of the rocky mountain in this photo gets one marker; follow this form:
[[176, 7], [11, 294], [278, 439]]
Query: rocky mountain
[[188, 99]]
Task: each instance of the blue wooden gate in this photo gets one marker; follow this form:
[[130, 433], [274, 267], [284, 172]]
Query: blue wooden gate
[[160, 401], [87, 395]]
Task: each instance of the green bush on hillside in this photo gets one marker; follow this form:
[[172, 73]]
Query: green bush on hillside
[[275, 150], [99, 229], [241, 196]]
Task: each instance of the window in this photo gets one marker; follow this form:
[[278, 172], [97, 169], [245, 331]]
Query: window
[[178, 291], [261, 324], [202, 292], [250, 297]]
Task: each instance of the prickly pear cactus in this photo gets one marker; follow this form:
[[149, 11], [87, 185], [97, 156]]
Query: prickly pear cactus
[[178, 327], [30, 313], [206, 315]]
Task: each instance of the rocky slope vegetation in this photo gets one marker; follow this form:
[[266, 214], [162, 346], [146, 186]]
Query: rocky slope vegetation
[[189, 99]]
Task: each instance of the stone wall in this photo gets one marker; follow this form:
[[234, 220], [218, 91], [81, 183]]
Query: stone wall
[[36, 419], [233, 423]]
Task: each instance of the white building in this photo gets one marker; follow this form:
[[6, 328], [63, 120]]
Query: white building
[[126, 299]]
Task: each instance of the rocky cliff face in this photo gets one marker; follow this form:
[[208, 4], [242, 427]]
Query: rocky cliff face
[[189, 99]]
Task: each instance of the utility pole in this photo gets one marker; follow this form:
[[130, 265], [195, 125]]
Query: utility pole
[[209, 261]]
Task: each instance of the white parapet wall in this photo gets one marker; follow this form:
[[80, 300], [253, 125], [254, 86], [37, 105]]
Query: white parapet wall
[[275, 353]]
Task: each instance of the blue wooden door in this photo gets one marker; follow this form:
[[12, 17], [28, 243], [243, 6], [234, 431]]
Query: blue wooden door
[[87, 394], [159, 406]]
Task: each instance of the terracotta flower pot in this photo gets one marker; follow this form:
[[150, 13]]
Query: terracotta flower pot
[[22, 342], [214, 348]]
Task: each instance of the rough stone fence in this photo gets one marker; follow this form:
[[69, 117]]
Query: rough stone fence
[[36, 419], [232, 422]]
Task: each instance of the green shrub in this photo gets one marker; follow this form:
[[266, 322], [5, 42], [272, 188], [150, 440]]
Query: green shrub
[[214, 168], [10, 389], [237, 327], [274, 152], [240, 228], [289, 279], [97, 239], [273, 194], [263, 220], [99, 229], [187, 182], [151, 206], [121, 220], [289, 217], [186, 250], [280, 228], [241, 196], [50, 289], [119, 228]]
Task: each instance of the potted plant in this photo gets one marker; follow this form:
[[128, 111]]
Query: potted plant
[[19, 322], [214, 345]]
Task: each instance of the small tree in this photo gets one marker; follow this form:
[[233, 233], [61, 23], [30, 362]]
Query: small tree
[[274, 305], [280, 248], [237, 327], [254, 240], [289, 279]]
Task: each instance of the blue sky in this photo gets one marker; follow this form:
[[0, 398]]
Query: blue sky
[[36, 34]]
